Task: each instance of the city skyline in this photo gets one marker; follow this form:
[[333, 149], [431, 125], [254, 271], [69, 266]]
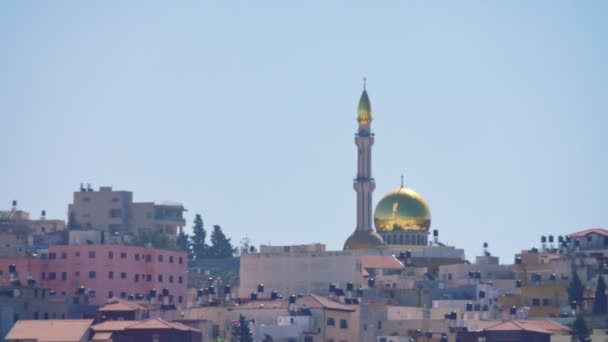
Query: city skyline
[[246, 115]]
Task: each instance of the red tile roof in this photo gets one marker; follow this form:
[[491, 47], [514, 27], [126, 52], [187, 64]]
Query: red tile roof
[[113, 325], [102, 337], [381, 261], [310, 301], [539, 326], [149, 324], [117, 304], [599, 231], [54, 330]]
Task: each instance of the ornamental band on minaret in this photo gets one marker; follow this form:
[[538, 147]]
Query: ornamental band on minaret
[[364, 236]]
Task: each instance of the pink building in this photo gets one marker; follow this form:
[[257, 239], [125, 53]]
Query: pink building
[[106, 271]]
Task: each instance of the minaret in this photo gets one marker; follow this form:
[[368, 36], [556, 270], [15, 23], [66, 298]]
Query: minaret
[[364, 236]]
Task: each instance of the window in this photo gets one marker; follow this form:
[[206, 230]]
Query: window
[[123, 255], [115, 213], [308, 339], [110, 294], [160, 258], [136, 257], [111, 275], [343, 324], [46, 315], [110, 255], [535, 302], [180, 260], [547, 302], [64, 255], [92, 294], [123, 295], [123, 275], [115, 199], [52, 276], [160, 278], [180, 299], [77, 274], [86, 199], [148, 257], [77, 254], [180, 280], [36, 315], [92, 274], [92, 255], [43, 276], [52, 256], [64, 275], [171, 259], [331, 322], [136, 279], [171, 279], [86, 216], [149, 277]]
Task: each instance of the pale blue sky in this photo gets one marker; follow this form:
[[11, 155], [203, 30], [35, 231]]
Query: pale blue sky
[[496, 112]]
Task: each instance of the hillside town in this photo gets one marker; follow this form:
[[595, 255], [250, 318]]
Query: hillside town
[[119, 270]]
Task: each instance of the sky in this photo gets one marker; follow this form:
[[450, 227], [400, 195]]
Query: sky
[[244, 111]]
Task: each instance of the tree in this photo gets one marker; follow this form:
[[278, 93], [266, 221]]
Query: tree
[[243, 332], [600, 305], [580, 333], [220, 245], [246, 246], [576, 288], [197, 240], [148, 237], [183, 244], [72, 223]]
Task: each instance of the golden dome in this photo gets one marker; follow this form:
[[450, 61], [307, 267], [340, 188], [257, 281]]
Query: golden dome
[[361, 239], [364, 112], [402, 209]]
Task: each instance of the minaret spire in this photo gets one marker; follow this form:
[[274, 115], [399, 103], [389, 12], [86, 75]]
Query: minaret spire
[[402, 180], [364, 236]]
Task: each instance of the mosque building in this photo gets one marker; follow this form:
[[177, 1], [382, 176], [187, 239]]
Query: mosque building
[[402, 217]]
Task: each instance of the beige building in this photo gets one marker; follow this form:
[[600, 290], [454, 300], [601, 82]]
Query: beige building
[[115, 212]]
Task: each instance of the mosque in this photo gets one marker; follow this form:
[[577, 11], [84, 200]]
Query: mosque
[[402, 221], [402, 217]]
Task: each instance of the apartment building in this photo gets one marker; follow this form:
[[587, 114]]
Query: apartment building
[[104, 271], [115, 212]]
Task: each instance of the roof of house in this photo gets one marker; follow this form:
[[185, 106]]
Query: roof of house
[[102, 337], [117, 304], [113, 325], [54, 330], [309, 301], [149, 324], [544, 326], [381, 261], [599, 231]]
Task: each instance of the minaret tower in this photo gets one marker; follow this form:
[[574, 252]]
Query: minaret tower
[[364, 236]]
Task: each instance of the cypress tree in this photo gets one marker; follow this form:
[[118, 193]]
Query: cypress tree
[[600, 305]]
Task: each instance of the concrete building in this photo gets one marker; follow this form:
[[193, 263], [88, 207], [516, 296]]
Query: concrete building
[[309, 318], [105, 271], [115, 212]]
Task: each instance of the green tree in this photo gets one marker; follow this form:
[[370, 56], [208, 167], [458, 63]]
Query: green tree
[[600, 305], [243, 332], [220, 245], [576, 288], [148, 237], [246, 246], [580, 332], [72, 223], [197, 240], [183, 244]]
